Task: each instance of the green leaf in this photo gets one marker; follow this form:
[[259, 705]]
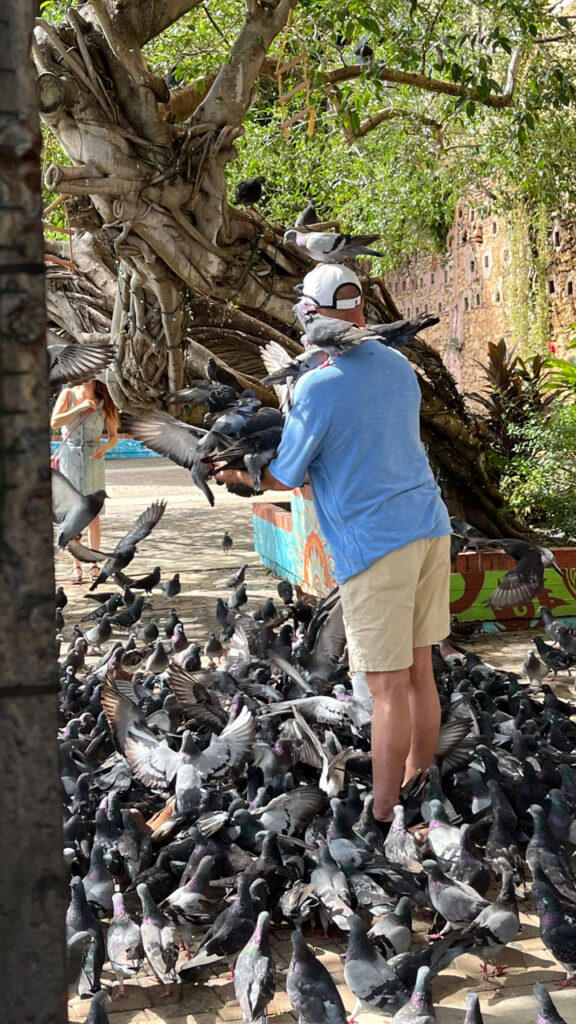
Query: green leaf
[[470, 108]]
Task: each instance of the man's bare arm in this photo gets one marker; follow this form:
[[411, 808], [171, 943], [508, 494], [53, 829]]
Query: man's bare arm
[[242, 476]]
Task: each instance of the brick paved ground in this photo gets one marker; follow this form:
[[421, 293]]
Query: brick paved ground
[[188, 539]]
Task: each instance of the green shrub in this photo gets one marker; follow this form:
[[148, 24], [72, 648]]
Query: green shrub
[[540, 482]]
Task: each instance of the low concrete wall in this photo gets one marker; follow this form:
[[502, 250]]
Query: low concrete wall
[[290, 542]]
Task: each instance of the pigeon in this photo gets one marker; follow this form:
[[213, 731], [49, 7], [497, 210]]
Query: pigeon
[[213, 648], [181, 442], [76, 951], [149, 632], [249, 191], [335, 336], [420, 1009], [72, 510], [158, 661], [496, 925], [400, 845], [125, 549], [123, 943], [76, 364], [310, 988], [194, 901], [255, 974], [227, 936], [557, 927], [307, 216], [238, 598], [534, 669], [556, 660], [172, 587], [101, 632], [542, 852], [60, 599], [129, 616], [237, 578], [364, 51], [473, 1011], [469, 866], [523, 583], [547, 1012], [329, 247], [158, 938], [227, 543], [80, 918], [215, 397], [368, 976], [285, 591], [456, 902], [97, 1012], [98, 883], [148, 582]]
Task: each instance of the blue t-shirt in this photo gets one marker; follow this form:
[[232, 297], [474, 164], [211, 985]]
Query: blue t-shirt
[[355, 428]]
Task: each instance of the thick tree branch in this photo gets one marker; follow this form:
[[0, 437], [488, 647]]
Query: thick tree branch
[[417, 81], [231, 94], [146, 19]]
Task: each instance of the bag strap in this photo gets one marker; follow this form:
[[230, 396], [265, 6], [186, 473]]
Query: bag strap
[[75, 427]]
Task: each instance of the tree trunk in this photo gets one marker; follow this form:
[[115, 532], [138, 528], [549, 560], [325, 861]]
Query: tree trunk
[[32, 891], [162, 261]]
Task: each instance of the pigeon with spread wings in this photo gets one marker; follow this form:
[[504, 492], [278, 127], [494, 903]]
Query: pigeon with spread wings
[[72, 510], [125, 549], [76, 364]]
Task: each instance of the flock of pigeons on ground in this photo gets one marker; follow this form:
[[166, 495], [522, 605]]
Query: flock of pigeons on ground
[[213, 794]]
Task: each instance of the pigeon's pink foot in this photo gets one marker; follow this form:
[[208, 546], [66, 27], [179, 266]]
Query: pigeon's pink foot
[[166, 993], [437, 935], [567, 983], [499, 970]]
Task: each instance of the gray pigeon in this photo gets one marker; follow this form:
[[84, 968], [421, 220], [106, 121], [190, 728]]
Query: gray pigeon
[[71, 509], [367, 974], [330, 247], [420, 1009], [97, 1012], [457, 902], [310, 988], [158, 938], [496, 925], [227, 542], [80, 918], [172, 587], [393, 931], [76, 950], [473, 1011], [400, 846], [228, 934], [255, 974], [307, 217], [123, 943], [547, 1012], [98, 883]]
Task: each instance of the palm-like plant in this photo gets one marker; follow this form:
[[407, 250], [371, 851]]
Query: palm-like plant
[[517, 390]]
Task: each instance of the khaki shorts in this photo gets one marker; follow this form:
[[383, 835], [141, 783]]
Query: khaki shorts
[[401, 601]]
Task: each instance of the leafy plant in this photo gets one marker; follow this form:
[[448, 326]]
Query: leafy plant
[[539, 484], [562, 376], [517, 392]]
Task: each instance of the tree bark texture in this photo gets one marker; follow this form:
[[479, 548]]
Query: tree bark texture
[[183, 274], [32, 888]]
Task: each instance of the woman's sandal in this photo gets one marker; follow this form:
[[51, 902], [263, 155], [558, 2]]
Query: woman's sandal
[[76, 576]]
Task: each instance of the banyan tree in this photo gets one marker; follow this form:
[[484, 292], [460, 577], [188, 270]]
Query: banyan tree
[[157, 260]]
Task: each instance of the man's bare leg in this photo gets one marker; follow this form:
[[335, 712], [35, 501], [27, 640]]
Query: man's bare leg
[[424, 712], [391, 737]]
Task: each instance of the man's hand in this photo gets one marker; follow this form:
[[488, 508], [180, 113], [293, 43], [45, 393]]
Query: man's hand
[[232, 476]]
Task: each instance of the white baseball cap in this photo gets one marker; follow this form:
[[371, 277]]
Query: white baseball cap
[[323, 283]]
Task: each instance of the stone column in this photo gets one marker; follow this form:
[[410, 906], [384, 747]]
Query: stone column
[[32, 889]]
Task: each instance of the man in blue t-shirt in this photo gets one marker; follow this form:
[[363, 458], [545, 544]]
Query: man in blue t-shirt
[[354, 430]]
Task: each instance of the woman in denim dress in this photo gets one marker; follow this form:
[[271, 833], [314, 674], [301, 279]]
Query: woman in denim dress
[[82, 454]]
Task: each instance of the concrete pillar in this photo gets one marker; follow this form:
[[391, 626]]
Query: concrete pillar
[[32, 889]]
